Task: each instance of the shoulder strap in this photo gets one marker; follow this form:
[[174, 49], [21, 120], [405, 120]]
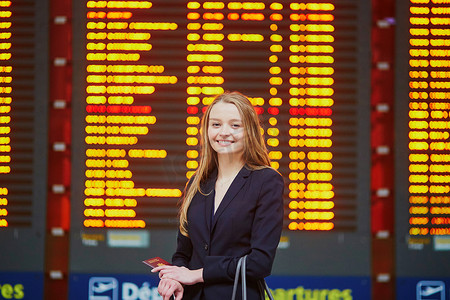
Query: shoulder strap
[[263, 289], [240, 271]]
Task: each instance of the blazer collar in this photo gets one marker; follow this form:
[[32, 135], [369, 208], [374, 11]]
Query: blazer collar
[[233, 190]]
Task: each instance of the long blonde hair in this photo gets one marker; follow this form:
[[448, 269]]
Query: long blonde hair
[[255, 153]]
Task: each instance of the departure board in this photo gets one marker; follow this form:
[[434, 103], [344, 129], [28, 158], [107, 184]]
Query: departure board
[[23, 135], [146, 71], [423, 209], [5, 108], [15, 189], [17, 113], [429, 106], [152, 67], [133, 122]]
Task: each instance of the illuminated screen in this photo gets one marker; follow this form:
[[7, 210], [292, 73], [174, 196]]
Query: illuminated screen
[[424, 208], [5, 108], [17, 119], [146, 70], [150, 70], [23, 136], [429, 106]]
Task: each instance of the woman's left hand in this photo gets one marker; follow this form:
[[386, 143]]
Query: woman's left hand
[[168, 288], [180, 274]]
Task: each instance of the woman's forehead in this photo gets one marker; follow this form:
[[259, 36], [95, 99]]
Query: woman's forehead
[[225, 110]]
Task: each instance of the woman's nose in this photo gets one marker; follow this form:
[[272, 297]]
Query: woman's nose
[[225, 130]]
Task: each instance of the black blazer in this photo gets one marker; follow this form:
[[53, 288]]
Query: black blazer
[[248, 221]]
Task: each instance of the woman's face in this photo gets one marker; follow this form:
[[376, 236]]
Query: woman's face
[[225, 129]]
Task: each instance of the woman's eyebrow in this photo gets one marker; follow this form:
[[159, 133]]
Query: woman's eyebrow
[[232, 120]]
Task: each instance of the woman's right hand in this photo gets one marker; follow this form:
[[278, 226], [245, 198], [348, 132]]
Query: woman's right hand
[[181, 274], [169, 287]]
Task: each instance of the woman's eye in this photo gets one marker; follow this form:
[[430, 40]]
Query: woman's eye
[[236, 125]]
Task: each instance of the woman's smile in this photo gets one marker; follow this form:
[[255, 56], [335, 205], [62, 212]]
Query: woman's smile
[[225, 142]]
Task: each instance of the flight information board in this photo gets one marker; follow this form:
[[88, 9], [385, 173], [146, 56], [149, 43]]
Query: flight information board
[[23, 135], [5, 110], [423, 163], [145, 72]]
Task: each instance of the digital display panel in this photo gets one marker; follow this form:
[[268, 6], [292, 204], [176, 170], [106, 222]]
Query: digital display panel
[[429, 107], [126, 158], [148, 81], [23, 135], [5, 108], [423, 202], [17, 118], [146, 70]]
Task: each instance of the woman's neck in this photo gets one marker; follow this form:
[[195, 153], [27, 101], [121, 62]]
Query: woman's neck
[[228, 166]]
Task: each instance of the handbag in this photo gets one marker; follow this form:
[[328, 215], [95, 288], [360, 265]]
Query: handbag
[[240, 271]]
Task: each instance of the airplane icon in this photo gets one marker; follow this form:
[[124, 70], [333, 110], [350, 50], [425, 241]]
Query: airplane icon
[[430, 290], [100, 287], [103, 288]]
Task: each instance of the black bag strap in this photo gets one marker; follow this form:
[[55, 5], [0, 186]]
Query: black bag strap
[[240, 271], [263, 289], [236, 279]]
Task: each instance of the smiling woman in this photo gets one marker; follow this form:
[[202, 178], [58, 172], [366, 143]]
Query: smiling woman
[[232, 207]]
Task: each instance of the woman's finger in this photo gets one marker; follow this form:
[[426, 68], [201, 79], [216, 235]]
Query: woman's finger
[[164, 273], [163, 289], [157, 269], [167, 288]]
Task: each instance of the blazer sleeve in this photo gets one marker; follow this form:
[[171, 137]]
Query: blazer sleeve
[[183, 253], [265, 235]]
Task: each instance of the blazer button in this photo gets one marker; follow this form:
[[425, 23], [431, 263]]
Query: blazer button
[[206, 247]]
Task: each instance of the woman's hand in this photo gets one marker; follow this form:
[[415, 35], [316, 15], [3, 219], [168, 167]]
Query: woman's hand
[[169, 287], [180, 274]]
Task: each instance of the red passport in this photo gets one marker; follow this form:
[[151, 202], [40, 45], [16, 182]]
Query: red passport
[[156, 262]]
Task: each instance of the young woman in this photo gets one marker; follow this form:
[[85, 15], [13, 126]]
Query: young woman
[[232, 207]]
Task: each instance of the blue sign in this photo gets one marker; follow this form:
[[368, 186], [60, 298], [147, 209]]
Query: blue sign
[[423, 288], [21, 285], [145, 287], [113, 287]]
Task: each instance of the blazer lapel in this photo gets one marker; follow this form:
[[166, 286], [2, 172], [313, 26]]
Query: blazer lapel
[[208, 189], [233, 190]]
